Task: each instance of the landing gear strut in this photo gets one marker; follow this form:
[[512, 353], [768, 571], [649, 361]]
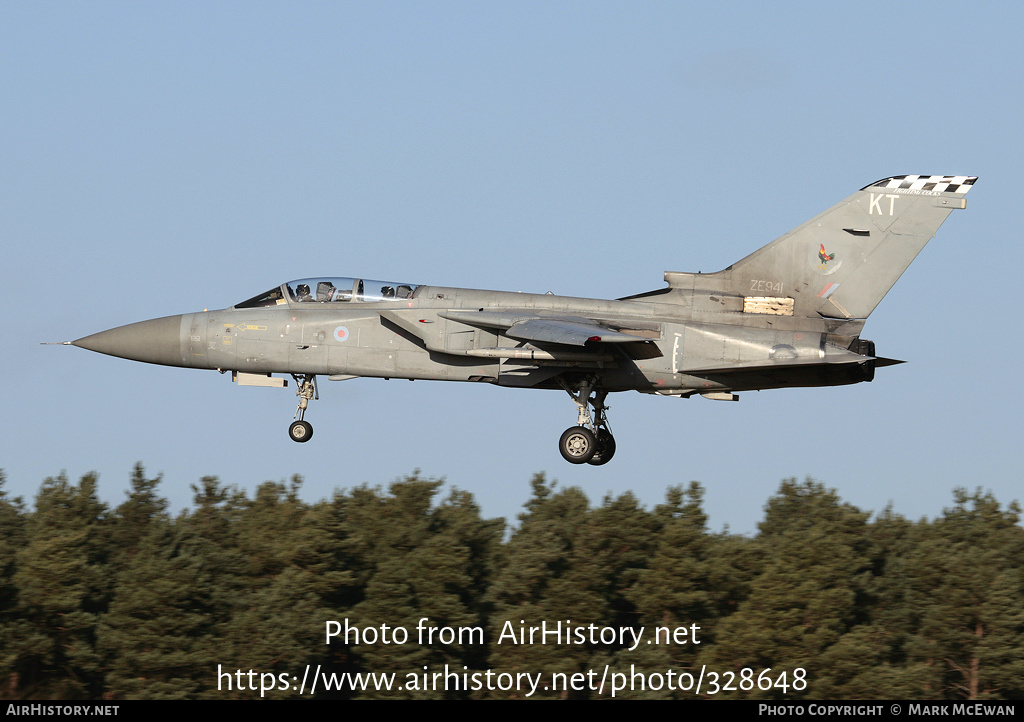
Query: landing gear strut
[[300, 430], [591, 440]]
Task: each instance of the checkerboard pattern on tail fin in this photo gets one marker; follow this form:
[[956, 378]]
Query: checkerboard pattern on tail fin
[[939, 183]]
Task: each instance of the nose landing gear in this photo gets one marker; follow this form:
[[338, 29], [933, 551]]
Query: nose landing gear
[[301, 430], [590, 441]]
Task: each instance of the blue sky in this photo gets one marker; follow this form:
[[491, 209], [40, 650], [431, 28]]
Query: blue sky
[[165, 158]]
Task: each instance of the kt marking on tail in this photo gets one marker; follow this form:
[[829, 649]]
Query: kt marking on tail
[[789, 314]]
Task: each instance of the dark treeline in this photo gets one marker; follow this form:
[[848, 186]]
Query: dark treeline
[[131, 602]]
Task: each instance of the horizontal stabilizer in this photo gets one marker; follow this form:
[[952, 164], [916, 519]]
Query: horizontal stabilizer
[[882, 361]]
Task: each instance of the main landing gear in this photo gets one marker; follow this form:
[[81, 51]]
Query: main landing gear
[[300, 430], [591, 441]]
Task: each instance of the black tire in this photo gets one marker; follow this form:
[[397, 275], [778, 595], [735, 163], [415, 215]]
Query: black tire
[[577, 445], [301, 431], [605, 448]]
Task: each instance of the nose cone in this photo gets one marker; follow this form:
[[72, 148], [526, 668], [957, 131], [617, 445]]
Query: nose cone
[[158, 341]]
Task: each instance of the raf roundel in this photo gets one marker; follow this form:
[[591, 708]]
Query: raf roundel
[[341, 334]]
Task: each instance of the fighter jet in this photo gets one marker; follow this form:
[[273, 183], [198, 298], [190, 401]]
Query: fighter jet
[[789, 314]]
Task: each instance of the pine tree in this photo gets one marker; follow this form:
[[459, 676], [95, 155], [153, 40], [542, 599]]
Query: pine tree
[[161, 633], [132, 519], [816, 564], [677, 590], [167, 629], [12, 539], [277, 624], [63, 584], [412, 562], [967, 589], [547, 578], [869, 662]]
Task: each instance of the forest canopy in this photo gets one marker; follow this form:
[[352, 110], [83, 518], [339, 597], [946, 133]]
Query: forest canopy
[[231, 598]]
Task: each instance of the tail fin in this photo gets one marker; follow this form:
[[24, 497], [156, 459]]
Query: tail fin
[[841, 263]]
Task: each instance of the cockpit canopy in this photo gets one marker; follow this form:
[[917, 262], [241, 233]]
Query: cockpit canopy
[[332, 290]]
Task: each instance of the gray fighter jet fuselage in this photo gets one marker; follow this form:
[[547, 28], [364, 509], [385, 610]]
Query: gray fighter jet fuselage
[[790, 314]]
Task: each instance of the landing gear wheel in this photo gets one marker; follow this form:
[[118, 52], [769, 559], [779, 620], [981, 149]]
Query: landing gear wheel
[[605, 448], [301, 431], [578, 445]]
